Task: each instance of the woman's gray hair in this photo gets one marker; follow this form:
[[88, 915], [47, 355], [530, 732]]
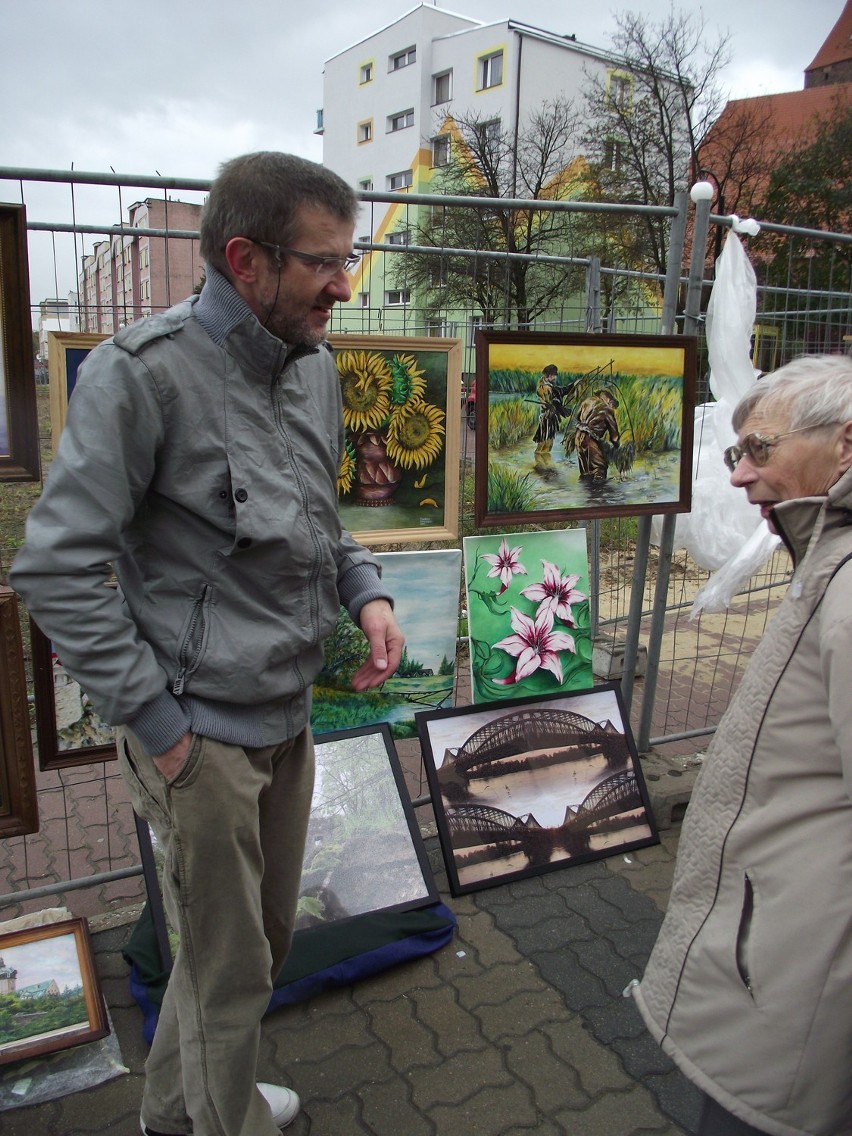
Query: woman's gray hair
[[813, 390], [261, 195]]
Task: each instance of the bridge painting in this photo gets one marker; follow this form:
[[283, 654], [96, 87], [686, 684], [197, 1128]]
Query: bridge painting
[[531, 786]]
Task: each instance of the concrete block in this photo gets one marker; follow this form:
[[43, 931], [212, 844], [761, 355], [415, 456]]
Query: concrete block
[[608, 658]]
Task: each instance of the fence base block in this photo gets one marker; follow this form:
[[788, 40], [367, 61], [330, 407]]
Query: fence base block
[[608, 658], [669, 781]]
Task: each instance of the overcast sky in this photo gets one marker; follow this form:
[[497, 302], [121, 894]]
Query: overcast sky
[[179, 87]]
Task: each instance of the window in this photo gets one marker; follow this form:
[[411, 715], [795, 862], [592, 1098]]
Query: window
[[403, 59], [319, 126], [401, 120], [402, 180], [613, 154], [442, 88], [489, 132], [437, 274], [491, 70], [365, 131], [620, 90], [400, 238], [436, 327], [365, 184], [441, 150], [366, 73], [363, 299], [397, 298]]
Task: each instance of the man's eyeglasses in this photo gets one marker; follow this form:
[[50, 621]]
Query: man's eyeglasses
[[756, 448], [324, 266]]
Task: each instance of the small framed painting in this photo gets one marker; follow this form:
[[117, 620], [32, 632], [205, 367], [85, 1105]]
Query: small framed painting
[[399, 476], [50, 996], [582, 425], [521, 788], [66, 350]]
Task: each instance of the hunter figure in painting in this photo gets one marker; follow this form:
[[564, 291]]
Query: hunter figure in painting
[[597, 434]]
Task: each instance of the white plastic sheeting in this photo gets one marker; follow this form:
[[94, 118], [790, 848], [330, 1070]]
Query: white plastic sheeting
[[723, 532]]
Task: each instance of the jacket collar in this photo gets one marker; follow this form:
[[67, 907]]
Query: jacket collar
[[800, 522], [231, 324]]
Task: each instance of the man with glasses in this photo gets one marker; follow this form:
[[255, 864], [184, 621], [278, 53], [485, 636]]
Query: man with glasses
[[749, 986], [200, 460]]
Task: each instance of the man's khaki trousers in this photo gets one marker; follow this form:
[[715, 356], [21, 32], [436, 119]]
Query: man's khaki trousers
[[232, 826]]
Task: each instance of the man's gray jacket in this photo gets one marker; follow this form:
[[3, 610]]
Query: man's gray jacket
[[200, 459]]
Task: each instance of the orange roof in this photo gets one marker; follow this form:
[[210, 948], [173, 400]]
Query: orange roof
[[793, 114], [838, 44]]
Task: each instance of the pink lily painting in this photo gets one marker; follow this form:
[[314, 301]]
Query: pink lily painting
[[528, 614]]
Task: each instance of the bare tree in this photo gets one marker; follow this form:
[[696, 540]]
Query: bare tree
[[648, 117], [486, 160]]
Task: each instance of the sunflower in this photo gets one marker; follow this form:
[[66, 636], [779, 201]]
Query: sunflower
[[414, 434], [408, 381], [365, 386], [346, 473]]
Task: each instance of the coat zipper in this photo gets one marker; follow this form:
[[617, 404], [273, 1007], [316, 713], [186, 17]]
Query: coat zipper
[[191, 642], [743, 934]]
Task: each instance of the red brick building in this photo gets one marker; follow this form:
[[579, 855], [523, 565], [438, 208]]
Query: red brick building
[[127, 278]]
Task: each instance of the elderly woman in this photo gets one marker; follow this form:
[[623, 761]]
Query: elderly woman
[[749, 986]]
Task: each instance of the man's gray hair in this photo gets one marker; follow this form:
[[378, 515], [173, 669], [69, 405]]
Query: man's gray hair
[[813, 390], [261, 195]]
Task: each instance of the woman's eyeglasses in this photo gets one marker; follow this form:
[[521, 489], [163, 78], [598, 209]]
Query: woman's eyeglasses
[[756, 448]]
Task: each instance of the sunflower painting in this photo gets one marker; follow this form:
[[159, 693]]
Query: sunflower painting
[[398, 473]]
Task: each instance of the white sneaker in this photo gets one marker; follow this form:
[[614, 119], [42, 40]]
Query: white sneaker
[[283, 1103]]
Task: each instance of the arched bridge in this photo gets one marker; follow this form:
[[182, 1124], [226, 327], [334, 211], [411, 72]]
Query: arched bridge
[[537, 729], [482, 824]]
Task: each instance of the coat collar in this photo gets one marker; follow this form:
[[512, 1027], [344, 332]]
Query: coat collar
[[800, 522]]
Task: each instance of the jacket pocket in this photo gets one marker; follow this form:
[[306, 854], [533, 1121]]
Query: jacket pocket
[[193, 638], [744, 935]]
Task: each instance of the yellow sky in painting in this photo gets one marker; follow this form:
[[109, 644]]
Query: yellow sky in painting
[[571, 357]]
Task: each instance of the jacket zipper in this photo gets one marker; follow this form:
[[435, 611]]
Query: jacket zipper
[[190, 647]]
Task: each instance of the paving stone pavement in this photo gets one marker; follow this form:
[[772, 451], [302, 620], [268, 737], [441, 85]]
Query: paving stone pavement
[[518, 1026]]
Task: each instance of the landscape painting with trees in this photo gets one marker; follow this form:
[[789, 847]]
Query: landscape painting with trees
[[425, 587]]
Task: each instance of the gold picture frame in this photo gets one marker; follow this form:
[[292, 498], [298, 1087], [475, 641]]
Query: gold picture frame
[[18, 800], [66, 350], [399, 478]]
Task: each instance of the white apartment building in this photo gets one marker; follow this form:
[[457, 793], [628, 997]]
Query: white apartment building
[[388, 98]]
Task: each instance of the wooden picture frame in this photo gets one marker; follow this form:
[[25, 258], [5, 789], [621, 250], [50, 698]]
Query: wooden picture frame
[[399, 477], [529, 786], [615, 439], [66, 350], [19, 447], [68, 730], [18, 799], [49, 984]]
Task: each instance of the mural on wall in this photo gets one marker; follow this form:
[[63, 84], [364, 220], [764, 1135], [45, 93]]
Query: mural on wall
[[582, 426], [399, 474], [528, 613], [425, 587]]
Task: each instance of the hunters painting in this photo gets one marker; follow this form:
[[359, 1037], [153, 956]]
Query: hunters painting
[[582, 426], [529, 787], [399, 474]]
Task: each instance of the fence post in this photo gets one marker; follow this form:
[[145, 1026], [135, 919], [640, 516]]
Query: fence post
[[692, 311], [593, 294], [634, 615], [677, 239]]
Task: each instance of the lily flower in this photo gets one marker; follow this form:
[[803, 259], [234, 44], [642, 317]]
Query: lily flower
[[556, 593], [535, 645], [505, 564]]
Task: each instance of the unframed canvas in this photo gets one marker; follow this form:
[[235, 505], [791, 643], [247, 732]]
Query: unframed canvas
[[425, 587], [528, 613], [521, 788]]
